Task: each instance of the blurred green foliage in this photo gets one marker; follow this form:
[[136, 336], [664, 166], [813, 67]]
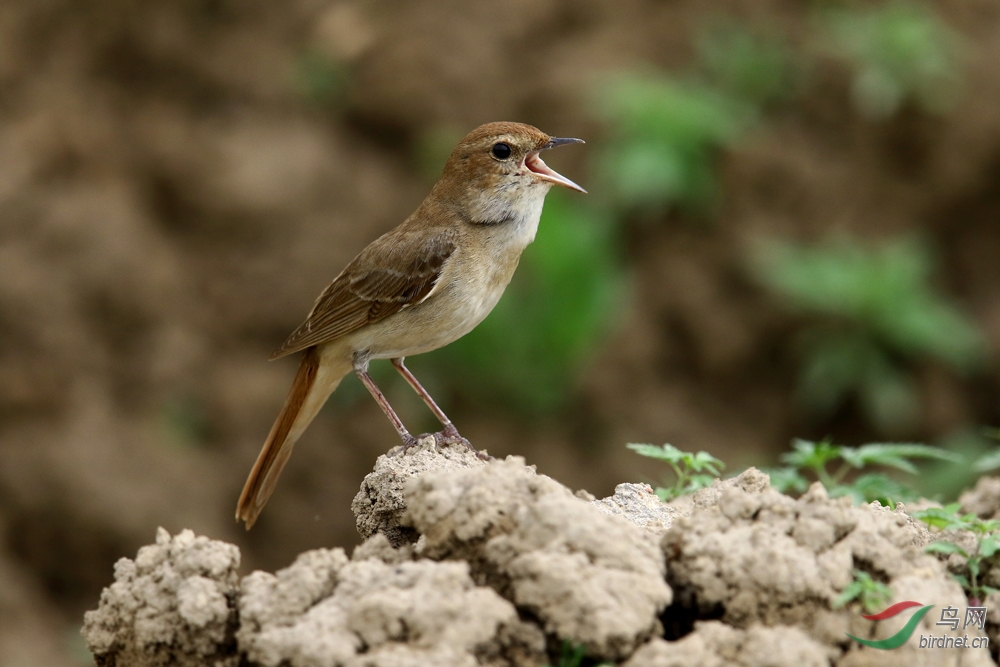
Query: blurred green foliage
[[433, 148], [571, 655], [989, 461], [665, 135], [901, 52], [874, 310], [759, 70], [562, 301], [812, 459], [320, 78], [666, 132], [185, 421]]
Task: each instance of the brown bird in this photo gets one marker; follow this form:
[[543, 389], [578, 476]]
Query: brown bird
[[424, 284]]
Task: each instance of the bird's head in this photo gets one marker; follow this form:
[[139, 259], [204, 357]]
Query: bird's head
[[497, 168]]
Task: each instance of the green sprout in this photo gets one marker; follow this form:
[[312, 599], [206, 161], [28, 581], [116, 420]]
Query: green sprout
[[871, 594], [693, 471], [816, 457], [570, 655], [902, 52], [987, 544], [873, 310]]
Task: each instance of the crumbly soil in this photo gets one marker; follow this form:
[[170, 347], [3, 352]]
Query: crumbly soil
[[500, 565]]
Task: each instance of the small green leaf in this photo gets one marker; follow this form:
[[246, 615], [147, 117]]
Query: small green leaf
[[809, 454], [664, 494], [697, 482], [705, 461], [896, 455], [876, 486], [940, 517], [941, 547], [787, 480], [663, 452], [989, 545], [987, 462]]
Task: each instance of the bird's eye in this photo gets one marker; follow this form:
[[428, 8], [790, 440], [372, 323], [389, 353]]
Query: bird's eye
[[501, 151]]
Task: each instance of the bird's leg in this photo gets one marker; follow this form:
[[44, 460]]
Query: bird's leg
[[361, 370], [449, 428], [449, 434]]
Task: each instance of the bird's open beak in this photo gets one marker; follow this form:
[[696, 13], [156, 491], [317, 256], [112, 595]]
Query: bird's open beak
[[535, 164]]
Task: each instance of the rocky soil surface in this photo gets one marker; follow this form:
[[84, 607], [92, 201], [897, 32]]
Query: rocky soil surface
[[473, 563]]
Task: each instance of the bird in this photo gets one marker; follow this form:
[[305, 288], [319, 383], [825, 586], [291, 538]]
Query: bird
[[417, 288]]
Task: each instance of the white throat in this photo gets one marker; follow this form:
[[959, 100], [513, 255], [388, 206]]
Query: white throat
[[513, 213]]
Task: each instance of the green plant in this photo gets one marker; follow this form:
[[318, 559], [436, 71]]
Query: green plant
[[665, 136], [185, 421], [570, 655], [902, 52], [320, 78], [432, 149], [692, 471], [871, 594], [989, 461], [987, 544], [815, 458], [873, 310], [561, 303], [757, 69]]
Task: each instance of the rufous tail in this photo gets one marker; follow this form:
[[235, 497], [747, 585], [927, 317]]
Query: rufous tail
[[315, 381]]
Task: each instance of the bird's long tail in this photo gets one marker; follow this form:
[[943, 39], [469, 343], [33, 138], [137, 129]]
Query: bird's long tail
[[316, 379]]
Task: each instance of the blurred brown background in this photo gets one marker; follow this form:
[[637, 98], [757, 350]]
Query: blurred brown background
[[179, 180]]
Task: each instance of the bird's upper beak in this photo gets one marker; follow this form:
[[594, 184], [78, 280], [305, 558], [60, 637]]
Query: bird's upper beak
[[535, 164]]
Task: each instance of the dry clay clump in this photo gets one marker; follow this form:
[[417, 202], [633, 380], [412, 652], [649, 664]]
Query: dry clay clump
[[507, 564], [379, 505], [326, 610], [589, 578], [752, 557], [173, 605]]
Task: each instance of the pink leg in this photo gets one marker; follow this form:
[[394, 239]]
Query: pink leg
[[361, 371], [448, 435]]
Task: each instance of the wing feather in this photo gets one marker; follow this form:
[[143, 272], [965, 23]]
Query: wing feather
[[396, 271]]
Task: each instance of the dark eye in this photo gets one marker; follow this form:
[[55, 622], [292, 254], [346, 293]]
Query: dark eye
[[501, 151]]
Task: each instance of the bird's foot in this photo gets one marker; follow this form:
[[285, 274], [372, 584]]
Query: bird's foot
[[447, 436], [450, 436], [408, 443]]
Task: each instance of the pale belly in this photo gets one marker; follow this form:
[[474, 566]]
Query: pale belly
[[445, 317]]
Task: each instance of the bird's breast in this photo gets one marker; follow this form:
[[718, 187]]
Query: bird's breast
[[471, 283]]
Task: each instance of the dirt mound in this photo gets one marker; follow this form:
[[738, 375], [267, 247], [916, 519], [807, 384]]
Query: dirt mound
[[506, 565]]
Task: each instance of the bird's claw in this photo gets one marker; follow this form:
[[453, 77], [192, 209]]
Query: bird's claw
[[447, 436], [408, 443], [450, 436]]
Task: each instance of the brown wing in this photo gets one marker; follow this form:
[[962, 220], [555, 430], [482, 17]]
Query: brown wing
[[397, 270]]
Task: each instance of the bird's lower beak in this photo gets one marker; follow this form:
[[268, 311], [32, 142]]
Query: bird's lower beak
[[535, 164]]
